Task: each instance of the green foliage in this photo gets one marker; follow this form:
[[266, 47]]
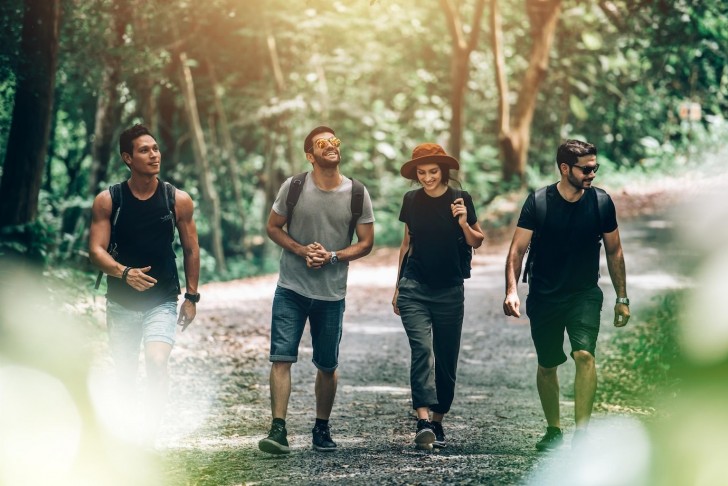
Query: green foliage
[[640, 365], [33, 242], [379, 73]]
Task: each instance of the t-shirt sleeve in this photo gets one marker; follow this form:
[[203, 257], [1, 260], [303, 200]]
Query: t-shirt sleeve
[[367, 213], [279, 205], [527, 219], [472, 215], [610, 222], [404, 211]]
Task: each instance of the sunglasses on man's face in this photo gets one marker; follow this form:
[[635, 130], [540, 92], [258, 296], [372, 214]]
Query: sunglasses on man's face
[[586, 170], [321, 143]]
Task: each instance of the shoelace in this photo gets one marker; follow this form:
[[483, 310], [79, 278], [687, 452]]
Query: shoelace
[[325, 433]]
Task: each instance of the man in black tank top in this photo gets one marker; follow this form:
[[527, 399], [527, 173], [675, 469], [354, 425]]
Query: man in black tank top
[[142, 290]]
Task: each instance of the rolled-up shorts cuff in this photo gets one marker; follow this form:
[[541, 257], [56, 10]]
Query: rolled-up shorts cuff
[[324, 368], [277, 358], [416, 405], [553, 363], [158, 339]]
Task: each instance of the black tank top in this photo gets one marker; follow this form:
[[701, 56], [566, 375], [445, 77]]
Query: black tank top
[[144, 235]]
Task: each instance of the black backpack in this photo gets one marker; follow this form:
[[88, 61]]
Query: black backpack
[[357, 200], [117, 201], [540, 202], [465, 251]]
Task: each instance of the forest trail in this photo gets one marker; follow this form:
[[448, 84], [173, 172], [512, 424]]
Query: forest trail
[[219, 405]]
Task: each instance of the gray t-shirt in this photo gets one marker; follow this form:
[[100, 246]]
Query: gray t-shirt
[[321, 216]]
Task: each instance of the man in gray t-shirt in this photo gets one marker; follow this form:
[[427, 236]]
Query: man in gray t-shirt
[[312, 282]]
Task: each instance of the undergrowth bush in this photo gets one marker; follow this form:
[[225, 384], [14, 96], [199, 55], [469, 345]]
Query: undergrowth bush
[[640, 364]]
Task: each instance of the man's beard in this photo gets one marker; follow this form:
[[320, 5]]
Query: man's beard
[[576, 184], [325, 163]]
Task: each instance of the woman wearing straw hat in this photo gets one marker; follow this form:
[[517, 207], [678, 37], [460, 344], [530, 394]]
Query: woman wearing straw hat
[[429, 293]]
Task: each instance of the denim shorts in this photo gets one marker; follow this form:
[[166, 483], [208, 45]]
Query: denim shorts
[[290, 311], [579, 316], [128, 328]]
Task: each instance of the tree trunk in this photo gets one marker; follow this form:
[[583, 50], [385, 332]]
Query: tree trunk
[[108, 107], [273, 173], [514, 133], [204, 172], [167, 112], [228, 150], [459, 79], [29, 130], [462, 47]]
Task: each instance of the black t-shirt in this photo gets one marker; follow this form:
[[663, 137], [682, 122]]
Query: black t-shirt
[[566, 250], [434, 233], [144, 237]]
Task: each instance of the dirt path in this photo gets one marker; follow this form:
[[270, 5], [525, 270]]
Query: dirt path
[[220, 397]]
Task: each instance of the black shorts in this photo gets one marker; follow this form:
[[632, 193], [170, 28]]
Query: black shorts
[[579, 315]]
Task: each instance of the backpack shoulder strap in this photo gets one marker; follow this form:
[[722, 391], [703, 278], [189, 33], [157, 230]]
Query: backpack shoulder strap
[[540, 204], [170, 197], [602, 204], [117, 200], [456, 193], [357, 205], [540, 201], [171, 193], [294, 192]]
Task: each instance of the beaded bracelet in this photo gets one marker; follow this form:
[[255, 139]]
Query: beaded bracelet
[[125, 274]]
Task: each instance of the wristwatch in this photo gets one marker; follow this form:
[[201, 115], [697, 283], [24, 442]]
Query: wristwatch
[[334, 259], [623, 300], [194, 298]]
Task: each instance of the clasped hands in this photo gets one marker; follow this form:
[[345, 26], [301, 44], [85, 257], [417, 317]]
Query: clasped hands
[[316, 255]]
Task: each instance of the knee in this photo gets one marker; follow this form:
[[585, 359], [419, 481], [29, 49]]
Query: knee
[[583, 358], [548, 373], [156, 364], [327, 375], [281, 366]]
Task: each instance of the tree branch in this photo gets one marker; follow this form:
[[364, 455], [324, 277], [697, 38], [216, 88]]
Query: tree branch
[[496, 32], [477, 21], [454, 24], [545, 29]]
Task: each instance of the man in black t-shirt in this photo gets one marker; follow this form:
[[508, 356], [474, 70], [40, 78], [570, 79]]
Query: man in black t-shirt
[[563, 289], [141, 301]]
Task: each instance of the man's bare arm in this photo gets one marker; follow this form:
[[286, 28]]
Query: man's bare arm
[[514, 261]]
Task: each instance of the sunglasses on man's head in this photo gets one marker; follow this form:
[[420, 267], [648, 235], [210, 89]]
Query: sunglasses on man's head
[[321, 143], [586, 170]]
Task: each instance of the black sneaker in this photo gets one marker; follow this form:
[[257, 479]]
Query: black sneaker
[[322, 439], [276, 442], [551, 440], [439, 435], [425, 435]]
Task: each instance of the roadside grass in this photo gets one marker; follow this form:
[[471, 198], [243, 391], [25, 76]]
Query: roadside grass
[[641, 366]]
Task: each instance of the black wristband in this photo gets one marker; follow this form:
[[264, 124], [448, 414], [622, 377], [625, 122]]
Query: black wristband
[[125, 274], [194, 298]]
